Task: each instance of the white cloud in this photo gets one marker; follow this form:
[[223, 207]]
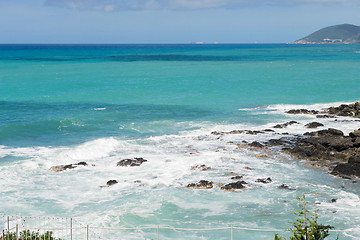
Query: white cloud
[[113, 5]]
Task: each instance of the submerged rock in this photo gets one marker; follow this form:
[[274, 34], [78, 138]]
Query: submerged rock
[[237, 177], [201, 167], [231, 187], [286, 187], [256, 144], [61, 168], [202, 184], [135, 162]]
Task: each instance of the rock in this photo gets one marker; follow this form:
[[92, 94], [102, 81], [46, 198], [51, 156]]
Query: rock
[[302, 111], [264, 180], [351, 110], [277, 142], [131, 162], [326, 133], [325, 116], [202, 184], [61, 168], [201, 167], [237, 177], [286, 187], [333, 200], [354, 159], [284, 125], [111, 182], [355, 134], [231, 187], [256, 144], [314, 125], [347, 169]]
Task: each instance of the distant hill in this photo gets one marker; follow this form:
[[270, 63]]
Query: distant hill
[[343, 33]]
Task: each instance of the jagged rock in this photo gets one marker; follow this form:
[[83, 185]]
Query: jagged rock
[[256, 144], [264, 180], [286, 187], [201, 167], [231, 187], [351, 110], [61, 168], [314, 125], [131, 162], [302, 111], [284, 125], [202, 184], [347, 169]]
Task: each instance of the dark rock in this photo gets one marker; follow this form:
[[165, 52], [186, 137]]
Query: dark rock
[[256, 144], [131, 162], [81, 164], [354, 159], [302, 111], [111, 182], [284, 186], [202, 184], [325, 116], [351, 110], [355, 134], [233, 186], [269, 130], [264, 180], [277, 142], [347, 169], [237, 177], [333, 200], [284, 125], [314, 125], [325, 133]]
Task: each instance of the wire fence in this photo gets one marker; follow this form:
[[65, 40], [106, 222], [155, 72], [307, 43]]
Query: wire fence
[[58, 228]]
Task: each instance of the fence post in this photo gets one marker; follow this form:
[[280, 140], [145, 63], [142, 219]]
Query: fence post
[[158, 232], [8, 227], [17, 232], [71, 228], [231, 232], [87, 232]]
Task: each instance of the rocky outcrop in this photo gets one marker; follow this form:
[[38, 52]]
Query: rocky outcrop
[[134, 162], [231, 187], [348, 110], [61, 168], [202, 184], [314, 125], [256, 144]]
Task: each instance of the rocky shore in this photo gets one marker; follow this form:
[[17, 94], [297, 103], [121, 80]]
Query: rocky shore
[[328, 148]]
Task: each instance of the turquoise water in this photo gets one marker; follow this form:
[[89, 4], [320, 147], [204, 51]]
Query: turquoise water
[[61, 104]]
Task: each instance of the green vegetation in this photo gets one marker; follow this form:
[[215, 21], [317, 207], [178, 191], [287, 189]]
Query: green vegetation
[[27, 235], [306, 227], [343, 33]]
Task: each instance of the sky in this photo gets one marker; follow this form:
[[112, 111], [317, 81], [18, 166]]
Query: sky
[[169, 21]]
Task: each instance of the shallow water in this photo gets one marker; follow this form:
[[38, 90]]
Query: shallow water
[[100, 104]]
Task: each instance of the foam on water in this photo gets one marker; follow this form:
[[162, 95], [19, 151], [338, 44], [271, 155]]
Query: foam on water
[[155, 193]]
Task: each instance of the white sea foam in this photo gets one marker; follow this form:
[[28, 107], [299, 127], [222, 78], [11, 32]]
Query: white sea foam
[[157, 187]]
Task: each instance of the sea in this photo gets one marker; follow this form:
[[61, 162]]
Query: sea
[[100, 104]]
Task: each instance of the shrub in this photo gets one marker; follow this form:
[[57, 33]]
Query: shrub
[[27, 235], [306, 227]]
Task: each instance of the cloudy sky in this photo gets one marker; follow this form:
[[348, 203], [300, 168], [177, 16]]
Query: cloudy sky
[[169, 21]]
